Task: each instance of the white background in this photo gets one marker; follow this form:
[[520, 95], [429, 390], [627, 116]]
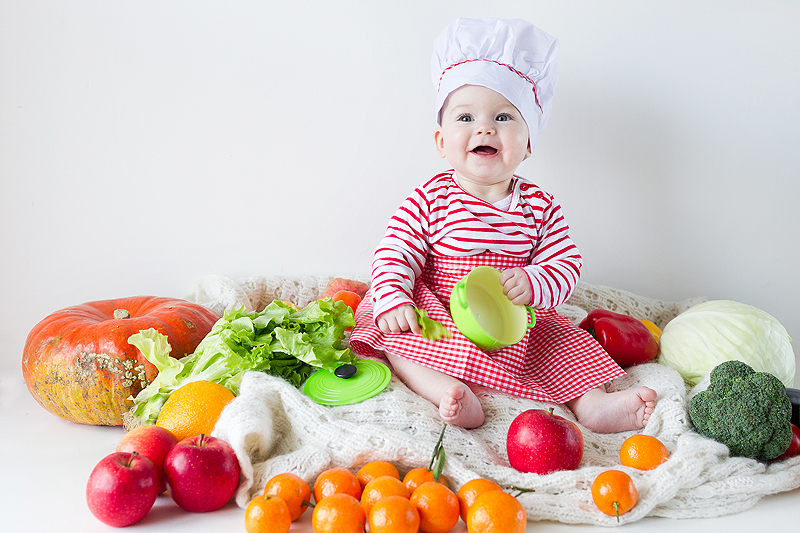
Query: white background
[[146, 144]]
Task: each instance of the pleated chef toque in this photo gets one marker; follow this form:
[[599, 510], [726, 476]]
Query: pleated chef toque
[[512, 57]]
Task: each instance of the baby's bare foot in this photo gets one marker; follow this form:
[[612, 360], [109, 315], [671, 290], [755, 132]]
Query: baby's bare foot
[[460, 407], [613, 412]]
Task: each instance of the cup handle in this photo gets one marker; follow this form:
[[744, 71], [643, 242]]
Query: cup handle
[[461, 294], [531, 317]]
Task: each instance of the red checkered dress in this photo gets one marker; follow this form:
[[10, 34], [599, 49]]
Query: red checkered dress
[[418, 263]]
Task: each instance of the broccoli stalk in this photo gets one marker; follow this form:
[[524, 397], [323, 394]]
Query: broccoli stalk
[[748, 411]]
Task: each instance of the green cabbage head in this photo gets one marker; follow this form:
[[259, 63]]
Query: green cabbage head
[[700, 338]]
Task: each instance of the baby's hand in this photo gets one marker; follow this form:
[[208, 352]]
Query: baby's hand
[[516, 286], [399, 319]]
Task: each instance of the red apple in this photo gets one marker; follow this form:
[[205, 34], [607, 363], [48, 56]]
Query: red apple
[[153, 442], [122, 488], [541, 442], [202, 473], [794, 445]]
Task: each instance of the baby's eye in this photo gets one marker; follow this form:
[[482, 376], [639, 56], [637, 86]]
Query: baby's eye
[[464, 118], [502, 117]]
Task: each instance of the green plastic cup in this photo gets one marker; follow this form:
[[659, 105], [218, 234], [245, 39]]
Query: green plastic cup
[[484, 315]]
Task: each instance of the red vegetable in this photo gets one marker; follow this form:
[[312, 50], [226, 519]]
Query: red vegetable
[[626, 339], [79, 365]]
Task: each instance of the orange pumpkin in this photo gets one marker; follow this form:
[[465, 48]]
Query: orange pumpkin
[[79, 365]]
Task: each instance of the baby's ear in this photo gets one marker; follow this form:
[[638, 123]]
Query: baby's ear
[[438, 138]]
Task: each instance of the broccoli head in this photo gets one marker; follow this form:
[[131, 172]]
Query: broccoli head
[[748, 411]]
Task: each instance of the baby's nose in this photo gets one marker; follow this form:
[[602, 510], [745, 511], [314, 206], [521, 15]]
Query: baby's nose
[[485, 128]]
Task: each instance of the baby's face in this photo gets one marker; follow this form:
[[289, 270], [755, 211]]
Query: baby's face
[[484, 138]]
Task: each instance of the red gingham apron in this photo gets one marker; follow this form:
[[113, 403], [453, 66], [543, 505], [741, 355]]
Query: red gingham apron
[[555, 362]]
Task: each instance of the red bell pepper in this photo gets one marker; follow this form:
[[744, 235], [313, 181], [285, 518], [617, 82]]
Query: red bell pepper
[[626, 339]]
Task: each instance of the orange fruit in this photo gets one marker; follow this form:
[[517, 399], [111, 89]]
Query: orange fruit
[[470, 490], [374, 469], [614, 493], [336, 480], [437, 506], [496, 512], [193, 409], [293, 490], [338, 513], [417, 476], [394, 514], [643, 452], [350, 299], [382, 487], [266, 514]]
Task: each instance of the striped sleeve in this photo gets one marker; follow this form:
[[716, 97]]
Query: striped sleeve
[[400, 256], [556, 262]]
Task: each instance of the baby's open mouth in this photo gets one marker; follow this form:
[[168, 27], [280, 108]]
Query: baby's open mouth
[[484, 150]]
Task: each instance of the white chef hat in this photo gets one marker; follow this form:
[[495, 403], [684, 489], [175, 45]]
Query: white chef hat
[[511, 57]]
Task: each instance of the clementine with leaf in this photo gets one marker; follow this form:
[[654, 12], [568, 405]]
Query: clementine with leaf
[[417, 476], [614, 493]]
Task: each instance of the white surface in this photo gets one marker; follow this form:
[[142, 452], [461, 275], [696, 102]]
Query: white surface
[[45, 463]]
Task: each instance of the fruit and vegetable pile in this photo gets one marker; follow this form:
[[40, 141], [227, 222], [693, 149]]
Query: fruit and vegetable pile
[[170, 368]]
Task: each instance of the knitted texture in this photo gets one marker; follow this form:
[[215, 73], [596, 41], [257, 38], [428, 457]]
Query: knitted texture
[[275, 428]]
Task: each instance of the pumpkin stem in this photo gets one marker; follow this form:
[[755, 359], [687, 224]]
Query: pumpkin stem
[[119, 314]]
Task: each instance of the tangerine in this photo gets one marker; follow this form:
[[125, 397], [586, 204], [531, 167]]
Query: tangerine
[[382, 487], [496, 512], [643, 452], [470, 490], [194, 409], [293, 490], [336, 480], [350, 298], [338, 513], [437, 506], [374, 469], [614, 493], [417, 476], [267, 514], [394, 514]]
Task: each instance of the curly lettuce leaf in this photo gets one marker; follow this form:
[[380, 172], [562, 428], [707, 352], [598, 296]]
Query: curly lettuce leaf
[[279, 340], [431, 329]]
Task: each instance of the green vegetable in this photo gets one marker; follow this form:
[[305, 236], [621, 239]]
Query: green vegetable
[[709, 333], [431, 329], [748, 411], [279, 340]]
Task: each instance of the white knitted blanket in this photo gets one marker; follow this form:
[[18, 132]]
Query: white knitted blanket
[[275, 428]]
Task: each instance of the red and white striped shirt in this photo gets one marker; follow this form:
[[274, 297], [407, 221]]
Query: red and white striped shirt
[[441, 218]]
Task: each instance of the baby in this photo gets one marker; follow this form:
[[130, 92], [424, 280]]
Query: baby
[[494, 81]]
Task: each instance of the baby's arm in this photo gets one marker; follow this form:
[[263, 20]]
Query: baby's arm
[[399, 319], [516, 286]]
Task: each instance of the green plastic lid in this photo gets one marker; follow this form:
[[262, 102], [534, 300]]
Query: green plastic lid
[[370, 378]]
